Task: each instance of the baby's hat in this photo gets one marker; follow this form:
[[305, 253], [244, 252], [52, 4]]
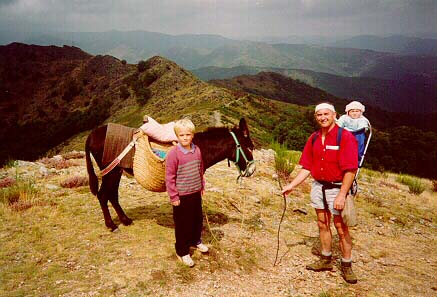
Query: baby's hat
[[355, 105]]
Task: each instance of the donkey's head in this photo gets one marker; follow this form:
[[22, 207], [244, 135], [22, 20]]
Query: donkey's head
[[242, 155]]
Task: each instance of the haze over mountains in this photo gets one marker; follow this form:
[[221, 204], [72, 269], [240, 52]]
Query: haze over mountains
[[395, 73], [196, 51], [411, 94]]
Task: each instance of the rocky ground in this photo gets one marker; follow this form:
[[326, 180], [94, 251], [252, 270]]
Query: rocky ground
[[394, 244]]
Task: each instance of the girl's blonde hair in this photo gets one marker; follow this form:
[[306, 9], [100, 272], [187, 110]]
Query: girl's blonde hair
[[184, 123]]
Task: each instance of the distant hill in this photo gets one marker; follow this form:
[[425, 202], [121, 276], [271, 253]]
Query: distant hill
[[279, 87], [397, 44], [197, 51], [411, 94]]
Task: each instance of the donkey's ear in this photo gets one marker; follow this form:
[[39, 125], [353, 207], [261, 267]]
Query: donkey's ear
[[244, 128]]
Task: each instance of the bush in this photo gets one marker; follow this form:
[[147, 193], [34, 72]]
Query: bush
[[72, 89], [415, 185], [285, 162], [434, 185], [57, 163], [74, 182], [123, 62], [7, 182], [20, 192], [143, 95], [148, 78], [73, 155], [141, 66], [124, 92]]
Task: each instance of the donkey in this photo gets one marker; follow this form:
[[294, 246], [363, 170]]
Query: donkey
[[216, 144]]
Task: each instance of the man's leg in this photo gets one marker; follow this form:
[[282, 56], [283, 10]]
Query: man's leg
[[344, 237], [346, 250], [324, 224], [325, 235]]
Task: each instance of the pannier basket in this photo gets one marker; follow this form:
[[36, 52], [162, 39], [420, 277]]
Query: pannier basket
[[148, 167]]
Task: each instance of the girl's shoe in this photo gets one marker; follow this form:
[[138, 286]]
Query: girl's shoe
[[186, 260], [203, 248]]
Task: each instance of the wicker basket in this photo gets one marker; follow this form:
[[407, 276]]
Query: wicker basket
[[149, 169]]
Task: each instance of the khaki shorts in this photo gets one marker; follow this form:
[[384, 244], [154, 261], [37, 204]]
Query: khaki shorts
[[317, 197]]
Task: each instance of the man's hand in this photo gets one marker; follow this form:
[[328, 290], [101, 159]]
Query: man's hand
[[176, 203], [339, 201], [287, 189]]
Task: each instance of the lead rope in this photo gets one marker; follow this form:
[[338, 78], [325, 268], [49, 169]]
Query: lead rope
[[282, 218]]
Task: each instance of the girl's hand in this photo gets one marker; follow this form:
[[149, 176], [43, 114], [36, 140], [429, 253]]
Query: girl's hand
[[176, 203]]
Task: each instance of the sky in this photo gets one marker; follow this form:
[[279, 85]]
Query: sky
[[230, 18]]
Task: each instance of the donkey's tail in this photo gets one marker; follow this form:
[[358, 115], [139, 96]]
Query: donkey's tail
[[93, 181]]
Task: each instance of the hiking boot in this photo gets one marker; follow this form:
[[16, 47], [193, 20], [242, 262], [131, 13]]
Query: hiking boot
[[324, 264], [202, 248], [348, 275], [186, 260]]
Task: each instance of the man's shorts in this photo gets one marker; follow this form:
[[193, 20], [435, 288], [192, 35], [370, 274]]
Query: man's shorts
[[317, 197]]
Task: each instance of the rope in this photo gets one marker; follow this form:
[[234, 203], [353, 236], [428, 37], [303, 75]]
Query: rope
[[282, 218], [209, 226]]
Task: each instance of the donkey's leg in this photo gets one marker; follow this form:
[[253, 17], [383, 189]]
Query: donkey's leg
[[102, 195], [115, 177]]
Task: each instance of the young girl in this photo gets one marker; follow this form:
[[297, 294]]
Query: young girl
[[355, 122], [185, 184]]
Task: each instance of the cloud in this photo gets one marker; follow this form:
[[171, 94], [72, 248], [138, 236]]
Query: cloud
[[6, 2], [225, 17]]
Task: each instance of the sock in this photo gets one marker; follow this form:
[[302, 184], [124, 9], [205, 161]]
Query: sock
[[346, 260], [326, 254]]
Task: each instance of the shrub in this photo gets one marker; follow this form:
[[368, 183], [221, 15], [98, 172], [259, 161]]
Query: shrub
[[141, 66], [20, 192], [143, 96], [285, 162], [7, 182], [56, 163], [124, 92], [415, 185], [72, 89], [74, 182], [434, 185], [148, 78], [73, 155], [123, 62]]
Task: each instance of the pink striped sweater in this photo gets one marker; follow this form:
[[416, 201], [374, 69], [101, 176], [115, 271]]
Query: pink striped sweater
[[183, 171]]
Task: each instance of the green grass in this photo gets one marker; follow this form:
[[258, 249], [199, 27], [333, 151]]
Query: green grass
[[415, 184], [285, 161]]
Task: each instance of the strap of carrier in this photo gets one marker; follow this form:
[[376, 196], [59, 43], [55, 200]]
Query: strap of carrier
[[117, 160], [327, 186]]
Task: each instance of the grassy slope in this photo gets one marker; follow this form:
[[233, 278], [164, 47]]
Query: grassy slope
[[60, 245]]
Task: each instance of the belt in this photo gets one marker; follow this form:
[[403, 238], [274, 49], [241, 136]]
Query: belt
[[327, 186]]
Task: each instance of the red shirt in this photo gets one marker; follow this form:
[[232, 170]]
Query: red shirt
[[328, 162]]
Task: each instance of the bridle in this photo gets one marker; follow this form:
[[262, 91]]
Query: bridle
[[239, 151]]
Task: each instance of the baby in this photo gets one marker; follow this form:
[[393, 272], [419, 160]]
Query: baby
[[355, 122]]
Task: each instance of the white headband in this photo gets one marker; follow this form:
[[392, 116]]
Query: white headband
[[325, 106]]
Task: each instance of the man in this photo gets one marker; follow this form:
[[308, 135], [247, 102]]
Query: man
[[333, 166]]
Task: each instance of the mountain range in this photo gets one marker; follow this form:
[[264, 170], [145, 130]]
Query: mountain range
[[51, 96], [197, 51], [411, 94]]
